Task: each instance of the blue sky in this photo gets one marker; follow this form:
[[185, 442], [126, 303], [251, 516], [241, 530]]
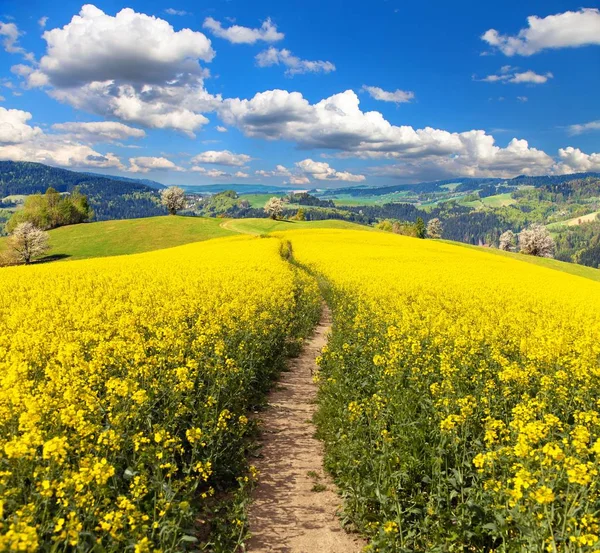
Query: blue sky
[[316, 94]]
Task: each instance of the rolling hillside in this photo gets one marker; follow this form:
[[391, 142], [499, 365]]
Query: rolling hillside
[[127, 236], [109, 197], [130, 236]]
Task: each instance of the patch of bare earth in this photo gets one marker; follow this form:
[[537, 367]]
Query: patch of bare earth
[[294, 508]]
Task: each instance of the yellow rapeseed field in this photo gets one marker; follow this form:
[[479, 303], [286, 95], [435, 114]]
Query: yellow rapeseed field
[[124, 388], [460, 395]]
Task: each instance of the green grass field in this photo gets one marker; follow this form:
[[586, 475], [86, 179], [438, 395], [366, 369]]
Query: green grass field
[[499, 200], [265, 226], [348, 200], [130, 236], [257, 200], [590, 217]]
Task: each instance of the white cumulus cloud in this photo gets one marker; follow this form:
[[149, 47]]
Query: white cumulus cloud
[[294, 65], [143, 164], [98, 131], [19, 141], [299, 179], [585, 127], [173, 11], [212, 173], [280, 171], [222, 157], [129, 47], [508, 74], [130, 66], [573, 160], [320, 170], [337, 123], [14, 128], [570, 29], [397, 96], [236, 34]]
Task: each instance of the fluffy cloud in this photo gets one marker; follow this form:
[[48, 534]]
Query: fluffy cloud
[[130, 66], [42, 21], [573, 160], [14, 128], [280, 171], [129, 47], [144, 164], [295, 65], [236, 34], [241, 175], [508, 74], [223, 157], [99, 131], [173, 11], [299, 179], [175, 106], [221, 129], [563, 30], [48, 150], [212, 173], [397, 96], [21, 142], [337, 123], [585, 127], [320, 170], [480, 157], [9, 33]]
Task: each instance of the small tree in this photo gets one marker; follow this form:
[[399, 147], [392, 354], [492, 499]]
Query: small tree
[[508, 241], [420, 230], [274, 207], [173, 199], [536, 240], [26, 242], [434, 228], [300, 215]]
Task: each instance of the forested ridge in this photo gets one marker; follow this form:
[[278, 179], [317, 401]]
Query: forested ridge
[[109, 198]]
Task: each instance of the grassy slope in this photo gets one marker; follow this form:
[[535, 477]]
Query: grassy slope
[[264, 226], [131, 236], [257, 200], [499, 200], [571, 268], [575, 221], [141, 235]]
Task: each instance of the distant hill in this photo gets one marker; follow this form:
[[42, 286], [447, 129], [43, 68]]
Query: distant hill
[[151, 183], [465, 184], [239, 188], [110, 198]]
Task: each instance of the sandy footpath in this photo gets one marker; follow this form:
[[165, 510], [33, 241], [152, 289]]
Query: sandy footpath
[[294, 505]]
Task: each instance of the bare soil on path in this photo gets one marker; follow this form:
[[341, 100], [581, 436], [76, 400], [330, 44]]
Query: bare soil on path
[[294, 508]]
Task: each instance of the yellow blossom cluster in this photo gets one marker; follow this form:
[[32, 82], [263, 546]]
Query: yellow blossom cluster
[[124, 388], [459, 395]]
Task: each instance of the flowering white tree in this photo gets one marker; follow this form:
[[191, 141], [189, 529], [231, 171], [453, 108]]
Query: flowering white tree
[[508, 241], [434, 228], [274, 207], [536, 240], [26, 242], [173, 198]]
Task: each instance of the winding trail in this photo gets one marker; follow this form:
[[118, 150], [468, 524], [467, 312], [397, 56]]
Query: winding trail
[[294, 508]]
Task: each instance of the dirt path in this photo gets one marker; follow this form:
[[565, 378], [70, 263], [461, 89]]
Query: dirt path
[[294, 505]]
